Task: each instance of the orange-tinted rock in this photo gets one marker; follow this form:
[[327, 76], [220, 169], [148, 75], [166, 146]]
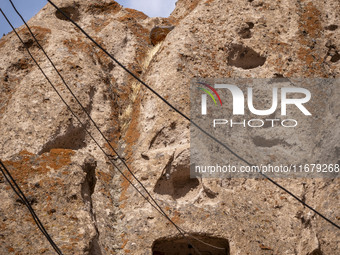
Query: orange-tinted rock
[[86, 205], [159, 33]]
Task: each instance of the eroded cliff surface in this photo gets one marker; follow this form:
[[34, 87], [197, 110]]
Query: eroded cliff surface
[[85, 204]]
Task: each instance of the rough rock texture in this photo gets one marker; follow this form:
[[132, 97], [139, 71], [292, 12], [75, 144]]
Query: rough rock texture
[[158, 34], [86, 205]]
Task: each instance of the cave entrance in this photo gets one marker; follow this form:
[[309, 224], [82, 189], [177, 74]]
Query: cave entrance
[[180, 246]]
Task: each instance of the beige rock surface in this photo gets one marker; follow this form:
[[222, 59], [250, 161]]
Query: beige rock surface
[[86, 205]]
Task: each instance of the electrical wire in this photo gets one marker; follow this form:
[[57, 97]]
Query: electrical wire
[[78, 119], [94, 123], [244, 161], [15, 187], [97, 127], [186, 117], [181, 231]]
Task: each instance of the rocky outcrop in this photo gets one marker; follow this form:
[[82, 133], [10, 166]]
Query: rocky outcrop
[[158, 33], [85, 204]]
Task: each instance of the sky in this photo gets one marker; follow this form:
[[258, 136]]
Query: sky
[[152, 8], [28, 8]]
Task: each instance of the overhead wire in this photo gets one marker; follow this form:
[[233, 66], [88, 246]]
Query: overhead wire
[[160, 210], [78, 119], [96, 126], [15, 187], [187, 118], [216, 141]]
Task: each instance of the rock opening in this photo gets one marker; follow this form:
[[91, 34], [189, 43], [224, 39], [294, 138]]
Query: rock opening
[[73, 138], [331, 27], [175, 179], [180, 246], [70, 11], [244, 57]]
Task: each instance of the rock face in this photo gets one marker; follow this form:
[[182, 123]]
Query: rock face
[[158, 34], [85, 204]]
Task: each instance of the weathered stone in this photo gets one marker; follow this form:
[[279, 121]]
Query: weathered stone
[[86, 205], [159, 33]]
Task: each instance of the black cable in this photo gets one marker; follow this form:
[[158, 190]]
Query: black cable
[[181, 231], [25, 201], [83, 125], [94, 123], [186, 117], [120, 64]]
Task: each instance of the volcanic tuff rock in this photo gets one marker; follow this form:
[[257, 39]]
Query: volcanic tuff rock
[[86, 205], [158, 34]]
